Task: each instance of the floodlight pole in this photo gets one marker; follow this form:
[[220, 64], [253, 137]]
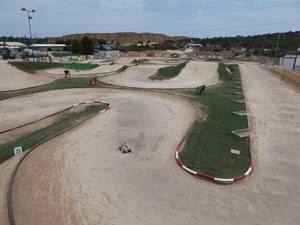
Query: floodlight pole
[[29, 18]]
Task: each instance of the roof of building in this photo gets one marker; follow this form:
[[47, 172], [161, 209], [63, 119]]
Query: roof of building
[[48, 45], [193, 45], [11, 44]]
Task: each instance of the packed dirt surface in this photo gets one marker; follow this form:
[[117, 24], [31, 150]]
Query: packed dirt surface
[[194, 74], [81, 177], [12, 79]]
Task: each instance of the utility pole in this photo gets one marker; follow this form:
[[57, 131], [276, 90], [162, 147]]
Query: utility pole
[[297, 50], [277, 45]]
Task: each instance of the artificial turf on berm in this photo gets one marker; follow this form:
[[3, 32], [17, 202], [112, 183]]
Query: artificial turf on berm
[[207, 149]]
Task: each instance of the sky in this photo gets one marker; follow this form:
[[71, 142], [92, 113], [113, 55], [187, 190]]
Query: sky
[[190, 18]]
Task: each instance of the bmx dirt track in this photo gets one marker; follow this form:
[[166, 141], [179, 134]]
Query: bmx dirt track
[[81, 178]]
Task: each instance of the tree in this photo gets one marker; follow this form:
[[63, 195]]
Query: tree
[[226, 44], [75, 46], [86, 46], [101, 42], [6, 54], [39, 41], [59, 41]]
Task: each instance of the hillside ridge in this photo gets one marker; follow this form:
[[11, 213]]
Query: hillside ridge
[[125, 37]]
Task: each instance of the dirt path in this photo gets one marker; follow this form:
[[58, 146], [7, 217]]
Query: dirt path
[[81, 177], [274, 106]]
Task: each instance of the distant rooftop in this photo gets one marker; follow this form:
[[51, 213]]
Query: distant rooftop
[[49, 45], [11, 44], [194, 46]]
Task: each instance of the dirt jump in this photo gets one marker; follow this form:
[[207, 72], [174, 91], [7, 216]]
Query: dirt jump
[[80, 177]]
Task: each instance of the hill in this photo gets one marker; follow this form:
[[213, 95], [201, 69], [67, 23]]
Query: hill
[[125, 38]]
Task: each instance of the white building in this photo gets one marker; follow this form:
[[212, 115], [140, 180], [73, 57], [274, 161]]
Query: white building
[[15, 48], [46, 47], [193, 46], [12, 45]]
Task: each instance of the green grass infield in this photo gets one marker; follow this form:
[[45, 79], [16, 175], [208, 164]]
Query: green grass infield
[[208, 147]]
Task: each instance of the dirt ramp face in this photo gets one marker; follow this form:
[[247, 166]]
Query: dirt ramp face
[[195, 73], [12, 78]]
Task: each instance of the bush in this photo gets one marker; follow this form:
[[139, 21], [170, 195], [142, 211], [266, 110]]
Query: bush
[[25, 55], [6, 54]]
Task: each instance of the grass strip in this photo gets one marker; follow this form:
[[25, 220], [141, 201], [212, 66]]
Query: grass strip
[[62, 54], [122, 69], [168, 72], [67, 121], [64, 83], [80, 66], [32, 67], [207, 148]]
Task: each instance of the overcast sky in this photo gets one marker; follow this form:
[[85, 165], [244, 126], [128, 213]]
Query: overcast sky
[[191, 18]]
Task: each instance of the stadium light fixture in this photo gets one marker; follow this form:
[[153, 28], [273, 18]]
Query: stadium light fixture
[[29, 18]]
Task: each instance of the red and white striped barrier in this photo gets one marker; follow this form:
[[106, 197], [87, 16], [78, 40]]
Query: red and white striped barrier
[[211, 178], [91, 102]]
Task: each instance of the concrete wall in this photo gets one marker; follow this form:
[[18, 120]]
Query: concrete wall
[[289, 74], [290, 62]]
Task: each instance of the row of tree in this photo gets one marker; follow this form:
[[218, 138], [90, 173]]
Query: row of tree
[[278, 44]]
